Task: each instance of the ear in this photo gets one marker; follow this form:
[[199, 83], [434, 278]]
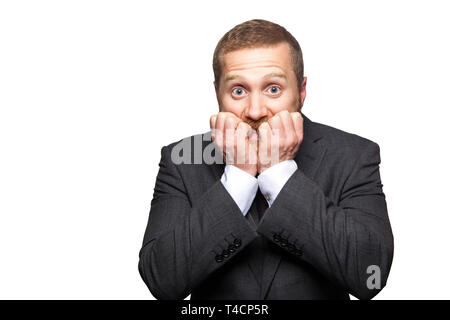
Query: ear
[[303, 92], [217, 95]]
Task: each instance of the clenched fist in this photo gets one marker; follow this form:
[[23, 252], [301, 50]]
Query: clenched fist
[[237, 141], [255, 151], [279, 139]]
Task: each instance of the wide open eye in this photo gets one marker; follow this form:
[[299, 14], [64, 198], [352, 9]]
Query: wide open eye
[[274, 90], [238, 91]]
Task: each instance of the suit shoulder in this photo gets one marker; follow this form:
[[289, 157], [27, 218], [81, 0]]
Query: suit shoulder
[[206, 136], [188, 150], [335, 138]]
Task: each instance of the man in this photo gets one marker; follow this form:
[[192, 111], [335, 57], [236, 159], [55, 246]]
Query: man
[[296, 211]]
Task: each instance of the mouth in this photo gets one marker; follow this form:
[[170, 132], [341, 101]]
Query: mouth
[[252, 134], [254, 124]]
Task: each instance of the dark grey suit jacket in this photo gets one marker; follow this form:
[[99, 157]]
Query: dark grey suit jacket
[[327, 226]]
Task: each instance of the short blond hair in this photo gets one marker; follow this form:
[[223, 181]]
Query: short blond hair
[[257, 33]]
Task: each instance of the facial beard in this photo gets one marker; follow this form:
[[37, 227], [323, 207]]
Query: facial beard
[[255, 123]]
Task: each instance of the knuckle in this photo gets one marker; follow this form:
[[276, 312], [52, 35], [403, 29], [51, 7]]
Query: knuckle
[[219, 118], [285, 115], [230, 120], [272, 120], [290, 142]]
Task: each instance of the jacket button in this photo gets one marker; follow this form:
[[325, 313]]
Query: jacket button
[[290, 247], [299, 252], [284, 242], [276, 238], [231, 248], [219, 258], [237, 242], [225, 253]]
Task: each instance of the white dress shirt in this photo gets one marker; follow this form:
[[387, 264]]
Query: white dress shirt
[[242, 186]]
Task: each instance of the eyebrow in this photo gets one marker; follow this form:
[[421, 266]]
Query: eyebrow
[[269, 75]]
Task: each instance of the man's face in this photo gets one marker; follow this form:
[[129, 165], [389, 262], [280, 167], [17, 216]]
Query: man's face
[[258, 83]]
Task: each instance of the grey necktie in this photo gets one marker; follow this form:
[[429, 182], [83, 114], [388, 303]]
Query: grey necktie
[[261, 203]]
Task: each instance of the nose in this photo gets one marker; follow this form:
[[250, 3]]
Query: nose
[[256, 108]]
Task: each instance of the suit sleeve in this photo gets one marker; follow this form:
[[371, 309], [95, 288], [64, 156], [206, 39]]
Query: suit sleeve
[[343, 241], [183, 244]]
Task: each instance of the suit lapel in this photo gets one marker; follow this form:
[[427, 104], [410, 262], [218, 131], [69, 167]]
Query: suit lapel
[[308, 160]]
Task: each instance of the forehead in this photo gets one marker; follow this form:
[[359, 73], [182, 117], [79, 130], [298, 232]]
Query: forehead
[[275, 58]]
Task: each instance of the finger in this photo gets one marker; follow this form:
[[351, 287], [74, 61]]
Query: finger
[[264, 130], [232, 115], [229, 115], [288, 135], [275, 125], [252, 144], [222, 117], [298, 125], [242, 129], [220, 124], [230, 125], [251, 136], [220, 121], [212, 125], [241, 142], [212, 121], [265, 135]]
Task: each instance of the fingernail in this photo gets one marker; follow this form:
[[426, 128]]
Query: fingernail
[[253, 134]]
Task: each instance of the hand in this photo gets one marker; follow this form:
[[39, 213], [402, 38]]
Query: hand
[[235, 141], [279, 139]]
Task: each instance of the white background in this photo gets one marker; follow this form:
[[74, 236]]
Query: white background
[[91, 90]]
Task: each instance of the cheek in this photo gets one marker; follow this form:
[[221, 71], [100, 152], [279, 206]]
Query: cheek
[[231, 105], [285, 102]]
